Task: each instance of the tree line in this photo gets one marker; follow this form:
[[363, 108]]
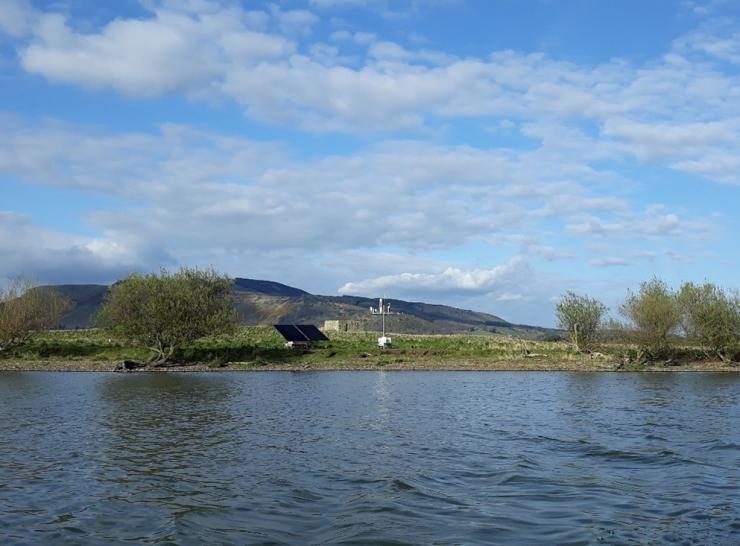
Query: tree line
[[159, 311], [165, 310], [655, 319]]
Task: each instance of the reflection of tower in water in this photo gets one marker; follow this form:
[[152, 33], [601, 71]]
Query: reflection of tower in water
[[381, 419], [382, 395]]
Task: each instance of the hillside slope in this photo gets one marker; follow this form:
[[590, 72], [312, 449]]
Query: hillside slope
[[269, 302]]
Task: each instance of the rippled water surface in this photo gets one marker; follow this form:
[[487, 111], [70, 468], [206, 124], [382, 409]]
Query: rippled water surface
[[369, 458]]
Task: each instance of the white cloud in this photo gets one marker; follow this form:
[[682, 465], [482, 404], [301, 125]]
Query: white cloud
[[668, 224], [15, 17], [135, 166], [723, 167], [450, 280], [193, 187], [182, 195], [682, 110], [392, 52], [560, 205], [573, 129], [656, 141], [654, 223], [173, 51], [341, 35], [721, 41], [610, 262], [510, 296], [298, 22], [364, 38]]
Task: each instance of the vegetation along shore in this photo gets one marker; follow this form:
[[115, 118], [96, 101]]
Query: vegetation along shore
[[187, 320], [261, 348]]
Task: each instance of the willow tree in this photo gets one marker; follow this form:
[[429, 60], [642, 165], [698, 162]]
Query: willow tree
[[653, 314], [581, 317], [162, 311], [712, 316], [26, 309]]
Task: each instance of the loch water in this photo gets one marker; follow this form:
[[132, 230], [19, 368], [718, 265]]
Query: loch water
[[369, 458]]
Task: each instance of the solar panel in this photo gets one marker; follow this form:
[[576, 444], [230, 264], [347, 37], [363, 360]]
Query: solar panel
[[300, 332], [311, 332], [291, 333]]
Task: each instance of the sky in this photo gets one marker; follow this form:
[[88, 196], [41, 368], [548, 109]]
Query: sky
[[487, 154]]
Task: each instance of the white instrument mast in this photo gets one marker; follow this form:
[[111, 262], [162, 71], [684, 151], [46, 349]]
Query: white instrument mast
[[383, 309]]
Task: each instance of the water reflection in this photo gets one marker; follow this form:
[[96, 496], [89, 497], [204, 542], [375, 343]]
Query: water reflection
[[165, 444], [324, 458], [155, 420]]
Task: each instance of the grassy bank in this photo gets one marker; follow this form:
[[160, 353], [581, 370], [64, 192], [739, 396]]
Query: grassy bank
[[261, 348]]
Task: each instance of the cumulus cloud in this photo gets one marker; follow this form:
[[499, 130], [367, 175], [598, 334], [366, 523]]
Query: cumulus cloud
[[681, 144], [171, 51], [192, 196], [205, 196], [682, 110], [449, 281]]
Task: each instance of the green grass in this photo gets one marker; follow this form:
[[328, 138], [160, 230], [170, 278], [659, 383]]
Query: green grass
[[262, 347], [257, 345]]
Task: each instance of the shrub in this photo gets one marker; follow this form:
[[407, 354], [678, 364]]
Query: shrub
[[25, 309], [163, 311], [581, 317], [712, 317], [652, 315]]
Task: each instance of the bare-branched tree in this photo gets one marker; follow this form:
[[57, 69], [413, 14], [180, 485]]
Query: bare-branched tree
[[26, 309]]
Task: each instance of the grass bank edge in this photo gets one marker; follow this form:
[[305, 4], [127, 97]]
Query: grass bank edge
[[259, 347]]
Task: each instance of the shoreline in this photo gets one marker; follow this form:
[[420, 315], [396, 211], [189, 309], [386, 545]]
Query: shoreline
[[431, 366], [262, 349]]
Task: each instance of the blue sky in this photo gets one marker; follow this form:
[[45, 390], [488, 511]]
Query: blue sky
[[484, 154]]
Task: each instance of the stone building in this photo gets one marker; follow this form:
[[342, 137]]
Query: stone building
[[344, 325]]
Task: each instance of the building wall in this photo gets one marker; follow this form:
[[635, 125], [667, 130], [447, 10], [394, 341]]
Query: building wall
[[345, 325]]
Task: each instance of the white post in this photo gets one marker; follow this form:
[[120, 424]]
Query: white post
[[383, 324], [382, 314], [382, 310]]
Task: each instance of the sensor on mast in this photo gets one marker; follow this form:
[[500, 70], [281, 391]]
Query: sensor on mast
[[383, 310]]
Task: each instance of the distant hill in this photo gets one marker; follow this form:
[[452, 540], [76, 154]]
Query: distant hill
[[269, 302], [268, 288], [87, 299]]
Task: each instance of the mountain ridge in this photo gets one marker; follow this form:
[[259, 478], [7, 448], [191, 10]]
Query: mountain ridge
[[269, 302]]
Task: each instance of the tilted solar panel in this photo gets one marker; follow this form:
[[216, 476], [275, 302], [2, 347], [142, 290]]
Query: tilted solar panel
[[311, 332], [291, 333]]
